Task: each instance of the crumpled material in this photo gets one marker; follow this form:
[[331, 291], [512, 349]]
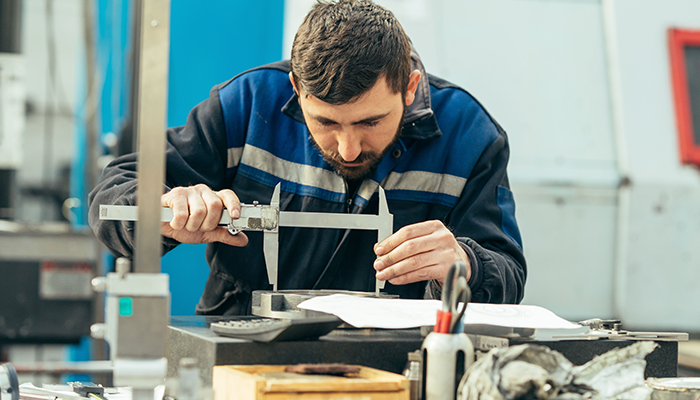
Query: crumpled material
[[530, 372]]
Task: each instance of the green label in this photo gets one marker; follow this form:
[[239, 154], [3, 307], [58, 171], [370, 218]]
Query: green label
[[126, 307]]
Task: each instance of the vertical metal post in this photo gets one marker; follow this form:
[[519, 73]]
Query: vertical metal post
[[150, 124], [91, 101]]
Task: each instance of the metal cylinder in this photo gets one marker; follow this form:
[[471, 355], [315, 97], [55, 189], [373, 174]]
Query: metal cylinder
[[412, 371]]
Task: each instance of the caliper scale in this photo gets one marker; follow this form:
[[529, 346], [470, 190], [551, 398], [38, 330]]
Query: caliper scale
[[268, 219]]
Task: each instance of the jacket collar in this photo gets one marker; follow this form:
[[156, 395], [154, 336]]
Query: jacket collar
[[419, 121]]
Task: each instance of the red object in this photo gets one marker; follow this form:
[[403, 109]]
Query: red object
[[443, 322], [678, 40]]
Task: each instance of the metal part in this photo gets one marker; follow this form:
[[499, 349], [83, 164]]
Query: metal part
[[611, 329], [254, 217], [9, 387], [138, 303], [283, 303], [674, 388], [269, 219], [137, 311], [271, 243], [152, 99], [598, 324]]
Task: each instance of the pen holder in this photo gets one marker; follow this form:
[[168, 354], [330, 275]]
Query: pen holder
[[445, 356]]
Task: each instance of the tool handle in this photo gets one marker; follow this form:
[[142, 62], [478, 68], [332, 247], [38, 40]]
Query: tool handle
[[443, 322]]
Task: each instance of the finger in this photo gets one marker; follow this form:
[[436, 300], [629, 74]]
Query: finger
[[231, 202], [166, 230], [214, 207], [406, 233], [198, 211], [407, 265], [222, 235], [423, 274], [177, 200], [405, 250]]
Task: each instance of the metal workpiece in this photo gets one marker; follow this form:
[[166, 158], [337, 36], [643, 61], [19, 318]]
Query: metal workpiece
[[283, 303], [150, 116]]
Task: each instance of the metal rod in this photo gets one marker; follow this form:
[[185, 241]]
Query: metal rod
[[151, 116]]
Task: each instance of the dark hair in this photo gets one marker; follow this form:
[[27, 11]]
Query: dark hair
[[344, 46]]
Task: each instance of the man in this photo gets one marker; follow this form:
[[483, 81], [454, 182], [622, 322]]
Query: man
[[352, 110]]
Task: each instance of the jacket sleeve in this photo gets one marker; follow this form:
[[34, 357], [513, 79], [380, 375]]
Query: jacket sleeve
[[483, 222], [195, 153]]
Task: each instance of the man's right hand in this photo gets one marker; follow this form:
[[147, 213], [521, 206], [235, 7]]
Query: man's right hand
[[196, 214]]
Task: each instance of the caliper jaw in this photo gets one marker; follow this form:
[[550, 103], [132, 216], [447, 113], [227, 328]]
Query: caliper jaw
[[271, 241]]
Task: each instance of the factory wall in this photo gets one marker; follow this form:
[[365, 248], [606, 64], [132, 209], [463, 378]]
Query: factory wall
[[609, 216], [659, 270]]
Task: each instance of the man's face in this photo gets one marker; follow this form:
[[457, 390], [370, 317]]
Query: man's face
[[354, 137]]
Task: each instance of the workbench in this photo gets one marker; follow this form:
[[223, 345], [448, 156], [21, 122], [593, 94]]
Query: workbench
[[190, 336]]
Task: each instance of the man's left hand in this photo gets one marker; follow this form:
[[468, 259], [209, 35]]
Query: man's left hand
[[418, 252]]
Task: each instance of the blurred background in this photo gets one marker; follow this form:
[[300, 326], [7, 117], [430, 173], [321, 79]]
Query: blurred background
[[597, 97]]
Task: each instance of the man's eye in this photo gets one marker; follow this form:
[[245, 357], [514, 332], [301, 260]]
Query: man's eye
[[370, 124], [326, 123]]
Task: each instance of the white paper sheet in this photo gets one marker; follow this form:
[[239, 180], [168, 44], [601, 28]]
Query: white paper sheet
[[367, 312]]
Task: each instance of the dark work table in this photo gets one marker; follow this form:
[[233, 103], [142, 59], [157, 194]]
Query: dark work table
[[190, 336]]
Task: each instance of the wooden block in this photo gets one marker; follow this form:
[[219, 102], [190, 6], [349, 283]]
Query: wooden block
[[270, 382]]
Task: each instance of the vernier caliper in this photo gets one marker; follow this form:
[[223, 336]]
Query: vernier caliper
[[269, 218]]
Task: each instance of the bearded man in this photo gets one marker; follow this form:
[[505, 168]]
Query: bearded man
[[351, 111]]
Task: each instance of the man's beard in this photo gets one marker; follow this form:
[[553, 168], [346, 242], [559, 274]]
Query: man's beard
[[356, 173]]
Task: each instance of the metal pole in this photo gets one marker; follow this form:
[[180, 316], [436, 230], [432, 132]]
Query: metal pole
[[151, 120], [624, 192]]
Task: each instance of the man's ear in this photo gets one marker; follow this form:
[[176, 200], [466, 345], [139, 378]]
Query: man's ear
[[291, 79], [413, 80]]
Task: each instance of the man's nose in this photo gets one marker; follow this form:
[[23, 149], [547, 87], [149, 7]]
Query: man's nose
[[349, 146]]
